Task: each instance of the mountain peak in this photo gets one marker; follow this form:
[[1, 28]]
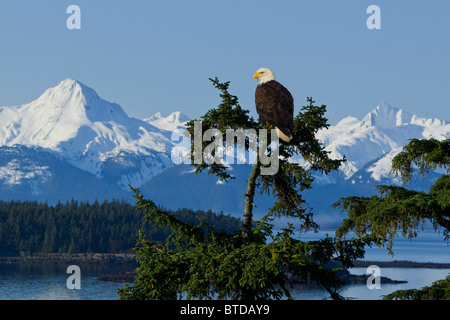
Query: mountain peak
[[79, 100], [69, 89], [69, 81], [177, 117], [58, 115], [174, 117], [384, 106], [88, 132], [386, 116], [171, 122]]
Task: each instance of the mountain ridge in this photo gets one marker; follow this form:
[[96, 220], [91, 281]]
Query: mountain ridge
[[382, 132], [82, 132], [73, 122]]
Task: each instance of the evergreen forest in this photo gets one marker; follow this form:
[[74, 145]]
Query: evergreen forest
[[83, 227]]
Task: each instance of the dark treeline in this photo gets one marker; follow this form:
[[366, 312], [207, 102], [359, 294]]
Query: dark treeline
[[79, 227]]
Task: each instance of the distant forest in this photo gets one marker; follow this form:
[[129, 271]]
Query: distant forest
[[80, 227]]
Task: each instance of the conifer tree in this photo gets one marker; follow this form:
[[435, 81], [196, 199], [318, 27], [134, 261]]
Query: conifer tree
[[256, 262], [379, 219], [398, 209]]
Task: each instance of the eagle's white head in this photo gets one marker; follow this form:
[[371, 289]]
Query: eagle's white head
[[263, 75]]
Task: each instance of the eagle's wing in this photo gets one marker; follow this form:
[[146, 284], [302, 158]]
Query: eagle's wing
[[275, 105]]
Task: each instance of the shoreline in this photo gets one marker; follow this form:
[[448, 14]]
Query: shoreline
[[401, 264], [125, 258], [130, 259], [72, 258]]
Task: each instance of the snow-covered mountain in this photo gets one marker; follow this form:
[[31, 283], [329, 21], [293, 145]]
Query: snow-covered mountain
[[376, 139], [368, 145], [70, 143], [33, 173], [94, 135], [175, 121]]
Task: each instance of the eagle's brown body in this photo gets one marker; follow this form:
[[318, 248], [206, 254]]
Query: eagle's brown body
[[275, 105]]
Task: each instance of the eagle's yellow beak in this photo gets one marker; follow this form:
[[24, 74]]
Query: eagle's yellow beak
[[256, 75]]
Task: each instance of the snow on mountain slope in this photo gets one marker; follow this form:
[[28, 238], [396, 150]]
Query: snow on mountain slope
[[88, 132], [56, 116], [385, 116], [368, 144], [381, 134], [73, 124], [33, 173], [174, 121], [382, 168]]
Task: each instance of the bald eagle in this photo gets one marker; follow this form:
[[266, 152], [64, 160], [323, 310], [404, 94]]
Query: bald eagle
[[274, 103]]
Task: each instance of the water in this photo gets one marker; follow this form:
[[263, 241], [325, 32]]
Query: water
[[416, 277], [429, 246], [48, 282]]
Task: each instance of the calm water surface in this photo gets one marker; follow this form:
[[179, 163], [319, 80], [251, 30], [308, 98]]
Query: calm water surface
[[48, 282]]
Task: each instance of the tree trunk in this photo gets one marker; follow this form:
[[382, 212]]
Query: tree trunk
[[251, 186]]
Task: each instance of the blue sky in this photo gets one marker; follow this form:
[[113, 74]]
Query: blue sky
[[152, 56]]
